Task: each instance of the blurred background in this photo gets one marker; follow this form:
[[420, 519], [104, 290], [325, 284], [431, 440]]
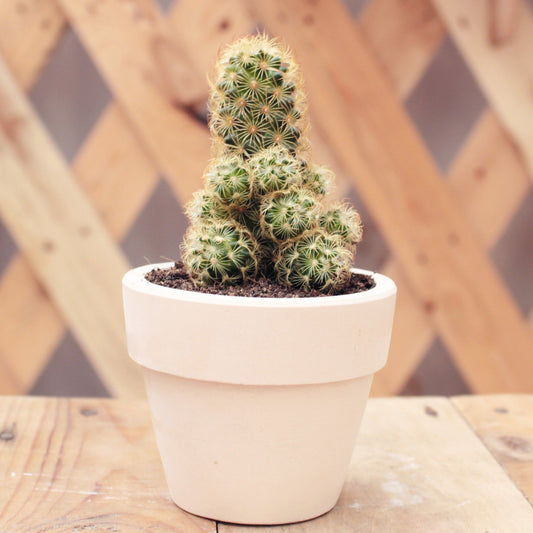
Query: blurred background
[[453, 104]]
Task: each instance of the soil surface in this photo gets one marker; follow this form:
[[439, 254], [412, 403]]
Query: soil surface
[[177, 278]]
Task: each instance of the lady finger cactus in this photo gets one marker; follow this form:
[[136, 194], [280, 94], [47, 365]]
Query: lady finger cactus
[[344, 221], [317, 260], [317, 178], [287, 214], [256, 98], [260, 212], [228, 179], [274, 169], [220, 252]]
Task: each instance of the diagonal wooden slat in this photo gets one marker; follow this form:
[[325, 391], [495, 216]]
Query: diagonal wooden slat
[[26, 333], [487, 179], [144, 85], [504, 73], [29, 31], [118, 177], [394, 174], [222, 23], [503, 20], [404, 35], [404, 41], [63, 239]]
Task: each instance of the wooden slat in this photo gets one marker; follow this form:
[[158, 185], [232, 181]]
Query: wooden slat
[[29, 30], [487, 179], [117, 176], [144, 85], [63, 239], [404, 36], [28, 33], [58, 472], [404, 39], [31, 326], [503, 20], [418, 467], [505, 425], [401, 186], [504, 73]]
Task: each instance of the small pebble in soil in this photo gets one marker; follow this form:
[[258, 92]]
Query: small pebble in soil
[[177, 277]]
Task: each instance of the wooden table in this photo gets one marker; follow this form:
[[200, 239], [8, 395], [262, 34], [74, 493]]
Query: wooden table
[[428, 465]]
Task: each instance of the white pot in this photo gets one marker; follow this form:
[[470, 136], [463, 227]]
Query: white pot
[[256, 402]]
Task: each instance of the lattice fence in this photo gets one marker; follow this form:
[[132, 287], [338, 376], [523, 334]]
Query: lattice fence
[[67, 221]]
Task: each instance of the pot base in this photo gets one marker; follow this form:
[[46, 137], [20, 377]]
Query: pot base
[[251, 454]]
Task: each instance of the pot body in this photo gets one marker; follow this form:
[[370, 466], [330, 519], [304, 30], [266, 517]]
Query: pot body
[[256, 402]]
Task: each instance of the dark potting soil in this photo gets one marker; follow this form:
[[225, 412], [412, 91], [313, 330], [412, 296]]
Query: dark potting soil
[[176, 277]]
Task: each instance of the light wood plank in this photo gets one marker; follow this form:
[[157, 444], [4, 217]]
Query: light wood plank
[[404, 36], [505, 425], [28, 33], [399, 183], [504, 73], [404, 39], [503, 20], [487, 179], [118, 176], [29, 30], [64, 239], [144, 77], [205, 26], [59, 473], [418, 467], [31, 327]]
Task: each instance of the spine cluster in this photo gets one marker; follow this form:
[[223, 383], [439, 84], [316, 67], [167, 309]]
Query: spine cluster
[[263, 208]]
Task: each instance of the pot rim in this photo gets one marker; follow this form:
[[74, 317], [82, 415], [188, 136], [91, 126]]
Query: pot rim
[[135, 280]]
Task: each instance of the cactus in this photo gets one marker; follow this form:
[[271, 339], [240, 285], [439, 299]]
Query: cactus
[[220, 251], [262, 211], [317, 260], [256, 99]]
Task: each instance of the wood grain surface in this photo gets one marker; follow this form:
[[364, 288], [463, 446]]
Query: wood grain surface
[[83, 466], [505, 424], [77, 465]]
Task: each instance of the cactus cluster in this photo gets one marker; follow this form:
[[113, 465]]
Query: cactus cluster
[[263, 209]]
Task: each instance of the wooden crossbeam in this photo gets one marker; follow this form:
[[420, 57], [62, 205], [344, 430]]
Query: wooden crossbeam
[[385, 25], [488, 182], [144, 86], [487, 179], [504, 73], [416, 212], [118, 176], [29, 30], [503, 20], [63, 239], [404, 36], [221, 23]]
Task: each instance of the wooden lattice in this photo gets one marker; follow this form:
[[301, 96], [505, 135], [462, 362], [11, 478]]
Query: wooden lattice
[[67, 221]]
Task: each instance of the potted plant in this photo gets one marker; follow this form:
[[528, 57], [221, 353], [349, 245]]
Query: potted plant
[[256, 395]]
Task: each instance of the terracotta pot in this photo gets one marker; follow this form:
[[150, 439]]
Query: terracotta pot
[[256, 402]]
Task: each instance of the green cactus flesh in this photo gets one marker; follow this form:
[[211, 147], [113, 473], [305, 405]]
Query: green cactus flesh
[[256, 100], [260, 212], [316, 260], [344, 221], [220, 252], [287, 214], [274, 169]]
